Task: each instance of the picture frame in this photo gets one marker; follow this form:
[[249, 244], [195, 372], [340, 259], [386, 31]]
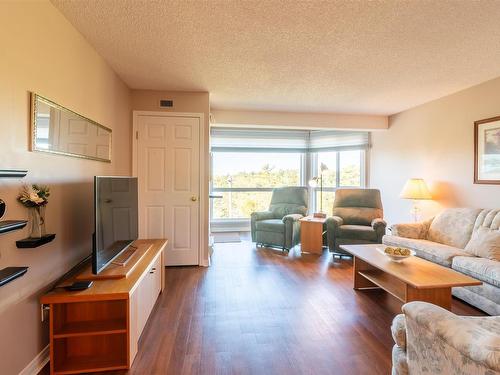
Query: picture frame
[[487, 151]]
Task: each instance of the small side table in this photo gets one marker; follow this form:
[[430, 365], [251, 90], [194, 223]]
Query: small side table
[[311, 234]]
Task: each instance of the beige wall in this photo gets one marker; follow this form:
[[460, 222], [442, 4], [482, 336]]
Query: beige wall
[[435, 141], [191, 102], [300, 120], [42, 52]]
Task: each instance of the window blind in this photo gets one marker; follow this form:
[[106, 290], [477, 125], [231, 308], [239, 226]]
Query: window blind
[[334, 140], [258, 140], [271, 140]]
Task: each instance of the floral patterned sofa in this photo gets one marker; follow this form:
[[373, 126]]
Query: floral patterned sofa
[[465, 239], [431, 340]]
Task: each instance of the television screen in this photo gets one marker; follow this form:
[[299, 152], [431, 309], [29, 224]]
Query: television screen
[[116, 218]]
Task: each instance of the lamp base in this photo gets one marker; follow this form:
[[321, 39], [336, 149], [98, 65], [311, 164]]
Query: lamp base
[[321, 215]]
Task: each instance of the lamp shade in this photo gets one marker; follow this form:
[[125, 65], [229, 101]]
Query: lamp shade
[[415, 188], [313, 182]]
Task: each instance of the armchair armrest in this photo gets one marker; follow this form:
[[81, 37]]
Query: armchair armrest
[[398, 331], [292, 217], [257, 216], [379, 226], [378, 223], [416, 231], [333, 222], [262, 215], [464, 335]]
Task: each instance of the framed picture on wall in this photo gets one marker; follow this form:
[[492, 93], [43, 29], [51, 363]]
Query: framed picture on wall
[[487, 151]]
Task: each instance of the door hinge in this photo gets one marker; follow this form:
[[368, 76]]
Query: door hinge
[[136, 135]]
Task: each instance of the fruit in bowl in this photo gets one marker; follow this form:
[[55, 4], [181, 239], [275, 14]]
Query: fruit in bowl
[[396, 254]]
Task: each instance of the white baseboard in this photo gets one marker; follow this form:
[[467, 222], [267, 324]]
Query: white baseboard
[[38, 363]]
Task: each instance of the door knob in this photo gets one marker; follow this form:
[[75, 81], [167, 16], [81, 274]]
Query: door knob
[[194, 198]]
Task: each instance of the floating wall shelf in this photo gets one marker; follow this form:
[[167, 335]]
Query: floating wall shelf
[[12, 173], [28, 243], [10, 225]]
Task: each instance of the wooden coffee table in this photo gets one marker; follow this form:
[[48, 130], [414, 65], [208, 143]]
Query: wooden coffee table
[[414, 279], [311, 234]]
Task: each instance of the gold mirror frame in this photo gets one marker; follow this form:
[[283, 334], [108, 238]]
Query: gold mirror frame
[[35, 99]]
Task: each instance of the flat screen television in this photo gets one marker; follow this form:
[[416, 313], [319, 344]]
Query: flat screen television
[[115, 217]]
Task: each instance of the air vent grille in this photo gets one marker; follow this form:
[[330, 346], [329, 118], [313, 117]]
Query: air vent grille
[[166, 103]]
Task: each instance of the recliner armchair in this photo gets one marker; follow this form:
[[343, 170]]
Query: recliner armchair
[[280, 226], [357, 219]]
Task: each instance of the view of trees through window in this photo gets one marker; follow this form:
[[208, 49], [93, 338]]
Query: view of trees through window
[[245, 180]]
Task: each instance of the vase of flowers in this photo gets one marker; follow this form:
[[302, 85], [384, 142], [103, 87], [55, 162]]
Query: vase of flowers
[[35, 198]]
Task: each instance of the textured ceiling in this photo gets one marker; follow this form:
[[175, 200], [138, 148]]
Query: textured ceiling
[[377, 57]]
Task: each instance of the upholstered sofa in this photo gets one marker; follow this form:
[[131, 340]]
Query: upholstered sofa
[[357, 219], [465, 239], [280, 226], [431, 340]]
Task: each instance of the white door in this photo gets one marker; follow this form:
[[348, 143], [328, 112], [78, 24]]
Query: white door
[[168, 170]]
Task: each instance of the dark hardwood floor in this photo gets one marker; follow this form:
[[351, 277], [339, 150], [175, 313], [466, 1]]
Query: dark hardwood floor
[[261, 311]]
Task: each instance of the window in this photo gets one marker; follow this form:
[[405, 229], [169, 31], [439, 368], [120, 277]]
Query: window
[[245, 180], [343, 169], [248, 163]]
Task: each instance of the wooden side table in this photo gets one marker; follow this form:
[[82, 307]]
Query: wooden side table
[[311, 234]]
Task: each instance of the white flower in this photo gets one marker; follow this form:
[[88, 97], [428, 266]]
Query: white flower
[[35, 198], [33, 195]]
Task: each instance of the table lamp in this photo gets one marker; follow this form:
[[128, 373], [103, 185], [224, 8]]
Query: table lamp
[[313, 182], [416, 190]]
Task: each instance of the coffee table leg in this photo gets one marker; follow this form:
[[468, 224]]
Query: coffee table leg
[[437, 296], [360, 281]]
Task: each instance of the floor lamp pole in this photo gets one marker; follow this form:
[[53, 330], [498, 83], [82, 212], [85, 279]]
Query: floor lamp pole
[[321, 192]]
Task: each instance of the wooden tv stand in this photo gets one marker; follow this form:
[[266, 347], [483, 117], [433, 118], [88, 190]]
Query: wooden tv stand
[[98, 329]]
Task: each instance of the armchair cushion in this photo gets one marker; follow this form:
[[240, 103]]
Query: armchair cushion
[[289, 200], [362, 232], [270, 225], [358, 206]]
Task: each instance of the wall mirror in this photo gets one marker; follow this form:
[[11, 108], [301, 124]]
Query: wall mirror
[[58, 130]]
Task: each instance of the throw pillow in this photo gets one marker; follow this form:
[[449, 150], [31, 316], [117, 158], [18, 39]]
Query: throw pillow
[[485, 243]]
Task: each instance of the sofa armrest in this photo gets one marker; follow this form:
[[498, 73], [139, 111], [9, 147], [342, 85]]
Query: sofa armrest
[[463, 335], [417, 231]]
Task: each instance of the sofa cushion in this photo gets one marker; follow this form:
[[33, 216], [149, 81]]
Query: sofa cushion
[[486, 270], [363, 232], [453, 226], [485, 243], [270, 225], [485, 239], [484, 297], [432, 251]]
